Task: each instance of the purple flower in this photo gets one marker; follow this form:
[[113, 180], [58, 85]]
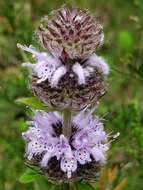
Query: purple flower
[[96, 61], [47, 67], [71, 77], [52, 69], [68, 165], [89, 142], [82, 156]]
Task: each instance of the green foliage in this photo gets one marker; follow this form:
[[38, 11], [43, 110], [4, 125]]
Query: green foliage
[[83, 185], [33, 102], [29, 176]]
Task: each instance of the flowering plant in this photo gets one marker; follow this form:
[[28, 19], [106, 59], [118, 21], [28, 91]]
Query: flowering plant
[[64, 140]]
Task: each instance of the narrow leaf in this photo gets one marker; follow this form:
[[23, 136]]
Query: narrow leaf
[[121, 184], [29, 176], [34, 103]]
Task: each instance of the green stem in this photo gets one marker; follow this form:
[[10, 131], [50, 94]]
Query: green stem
[[67, 123], [72, 186], [65, 186]]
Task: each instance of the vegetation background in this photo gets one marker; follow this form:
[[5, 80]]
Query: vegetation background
[[122, 106]]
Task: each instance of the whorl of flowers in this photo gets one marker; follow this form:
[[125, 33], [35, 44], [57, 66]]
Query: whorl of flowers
[[61, 85], [48, 67], [67, 145], [70, 33], [88, 142]]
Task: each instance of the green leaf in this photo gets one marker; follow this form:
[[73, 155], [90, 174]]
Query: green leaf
[[29, 176], [34, 103], [84, 186]]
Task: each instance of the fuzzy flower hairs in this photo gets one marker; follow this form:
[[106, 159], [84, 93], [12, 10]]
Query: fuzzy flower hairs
[[70, 74], [71, 144], [60, 158]]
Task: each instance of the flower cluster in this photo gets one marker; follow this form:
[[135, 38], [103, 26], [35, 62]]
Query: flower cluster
[[61, 85], [68, 145], [70, 33], [71, 74], [88, 142], [51, 68]]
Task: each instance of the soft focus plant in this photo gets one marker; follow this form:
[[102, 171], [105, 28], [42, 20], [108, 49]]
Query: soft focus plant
[[67, 145], [126, 85]]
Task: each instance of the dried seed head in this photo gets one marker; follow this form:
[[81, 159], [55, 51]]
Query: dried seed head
[[70, 33], [61, 159]]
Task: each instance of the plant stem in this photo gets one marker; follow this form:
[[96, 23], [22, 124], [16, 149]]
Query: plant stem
[[67, 123], [65, 186], [72, 186]]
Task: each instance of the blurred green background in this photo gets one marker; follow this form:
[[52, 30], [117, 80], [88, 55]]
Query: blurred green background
[[122, 106]]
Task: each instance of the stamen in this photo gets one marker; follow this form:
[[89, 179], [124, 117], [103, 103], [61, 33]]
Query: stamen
[[28, 49], [116, 135], [28, 64]]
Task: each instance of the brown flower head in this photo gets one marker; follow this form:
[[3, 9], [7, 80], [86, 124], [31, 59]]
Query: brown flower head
[[70, 33]]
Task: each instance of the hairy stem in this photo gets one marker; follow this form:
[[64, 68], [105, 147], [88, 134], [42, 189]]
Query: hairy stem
[[67, 123]]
